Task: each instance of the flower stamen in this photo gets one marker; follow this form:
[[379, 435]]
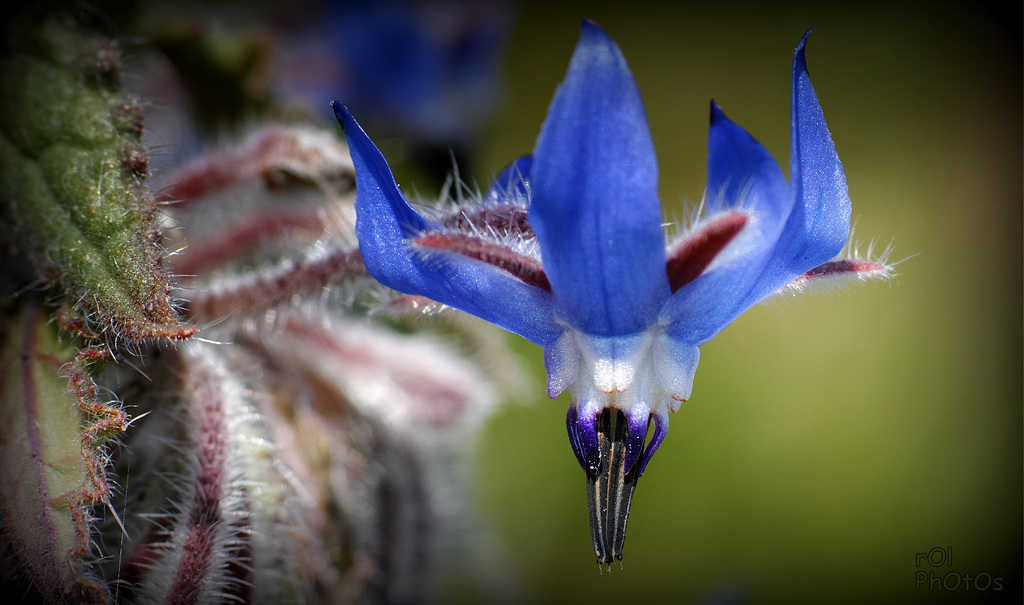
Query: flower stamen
[[610, 487]]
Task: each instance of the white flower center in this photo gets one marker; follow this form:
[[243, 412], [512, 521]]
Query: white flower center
[[639, 374]]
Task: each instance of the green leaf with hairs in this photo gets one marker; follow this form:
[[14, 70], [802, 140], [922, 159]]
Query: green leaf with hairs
[[52, 429], [72, 172]]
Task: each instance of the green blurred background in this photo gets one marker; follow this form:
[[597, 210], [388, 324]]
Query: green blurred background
[[830, 438]]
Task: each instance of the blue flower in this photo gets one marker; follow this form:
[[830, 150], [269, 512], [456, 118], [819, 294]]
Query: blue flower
[[567, 249], [427, 70]]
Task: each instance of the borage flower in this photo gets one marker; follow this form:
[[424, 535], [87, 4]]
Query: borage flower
[[567, 250]]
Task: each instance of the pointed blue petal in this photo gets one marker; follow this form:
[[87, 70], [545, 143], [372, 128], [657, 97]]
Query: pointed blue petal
[[816, 210], [820, 223], [383, 211], [384, 224], [741, 175], [595, 205]]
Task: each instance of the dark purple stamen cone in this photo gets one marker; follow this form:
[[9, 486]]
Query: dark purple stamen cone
[[610, 486]]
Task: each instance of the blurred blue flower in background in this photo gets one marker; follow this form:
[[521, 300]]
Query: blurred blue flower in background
[[431, 66], [567, 249], [427, 72]]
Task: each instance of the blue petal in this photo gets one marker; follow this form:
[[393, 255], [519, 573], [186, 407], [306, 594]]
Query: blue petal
[[384, 223], [820, 223], [595, 205], [798, 229], [512, 182], [741, 174]]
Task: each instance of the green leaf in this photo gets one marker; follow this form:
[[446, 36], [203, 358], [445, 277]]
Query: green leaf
[[52, 469], [72, 174]]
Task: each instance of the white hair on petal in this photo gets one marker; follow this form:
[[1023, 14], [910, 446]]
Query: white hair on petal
[[847, 268]]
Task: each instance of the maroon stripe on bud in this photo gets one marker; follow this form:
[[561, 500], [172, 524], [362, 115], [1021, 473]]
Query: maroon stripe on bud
[[260, 291], [527, 269], [270, 155], [692, 256], [205, 515], [232, 244]]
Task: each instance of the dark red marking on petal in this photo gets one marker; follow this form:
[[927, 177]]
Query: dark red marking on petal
[[505, 218], [693, 255], [527, 269], [839, 267]]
